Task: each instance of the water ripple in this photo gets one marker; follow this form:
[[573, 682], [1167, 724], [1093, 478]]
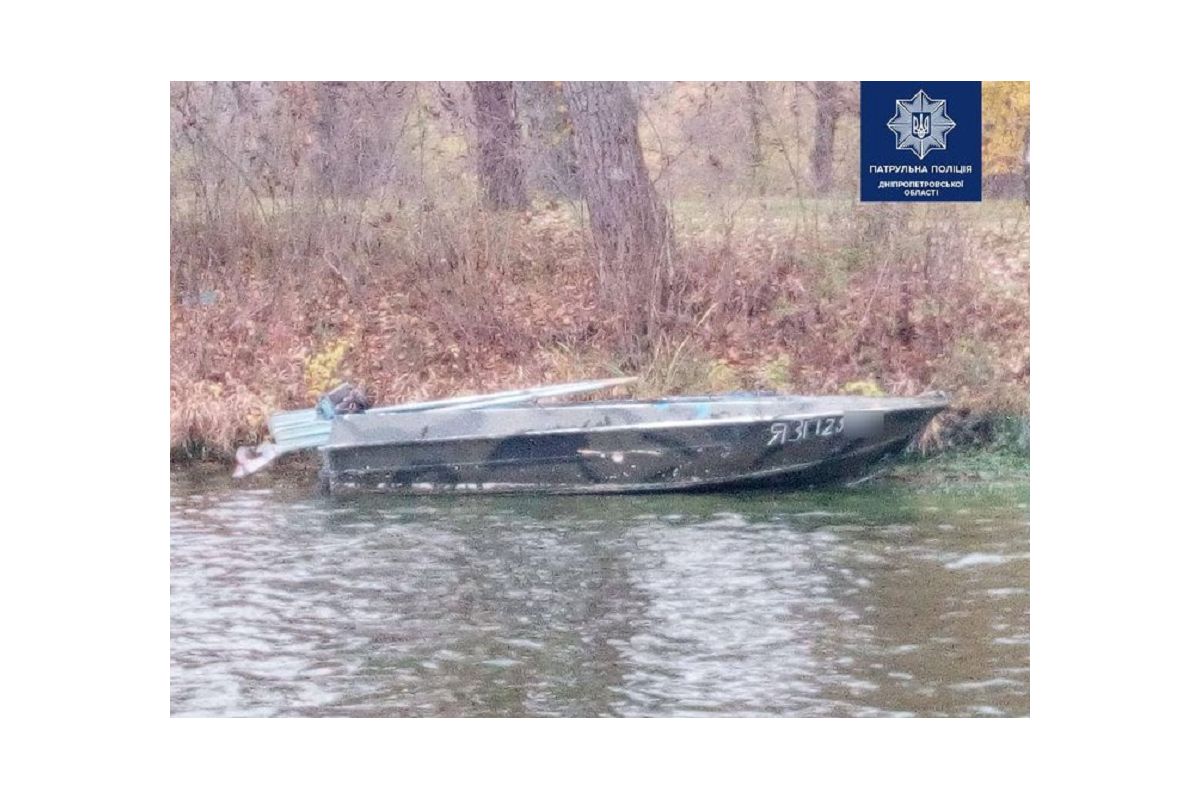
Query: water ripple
[[284, 603]]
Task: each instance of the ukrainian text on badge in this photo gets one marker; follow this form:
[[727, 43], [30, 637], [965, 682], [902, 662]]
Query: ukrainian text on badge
[[922, 141]]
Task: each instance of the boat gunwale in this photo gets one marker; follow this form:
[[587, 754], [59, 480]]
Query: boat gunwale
[[919, 404]]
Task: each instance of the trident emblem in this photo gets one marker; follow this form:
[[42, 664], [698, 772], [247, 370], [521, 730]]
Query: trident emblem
[[920, 125]]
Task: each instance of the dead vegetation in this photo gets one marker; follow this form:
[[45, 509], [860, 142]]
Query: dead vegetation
[[882, 299]]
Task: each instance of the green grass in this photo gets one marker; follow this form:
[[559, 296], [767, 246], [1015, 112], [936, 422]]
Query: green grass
[[994, 467]]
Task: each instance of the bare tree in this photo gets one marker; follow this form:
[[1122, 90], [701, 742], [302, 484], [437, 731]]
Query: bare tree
[[325, 124], [754, 105], [630, 225], [549, 146], [830, 106], [1025, 165], [501, 170]]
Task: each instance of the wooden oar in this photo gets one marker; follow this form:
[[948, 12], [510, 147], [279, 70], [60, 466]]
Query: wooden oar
[[305, 429]]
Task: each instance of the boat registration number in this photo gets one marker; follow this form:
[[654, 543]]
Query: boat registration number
[[798, 431]]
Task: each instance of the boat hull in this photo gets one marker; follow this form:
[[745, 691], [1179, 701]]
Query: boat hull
[[697, 445]]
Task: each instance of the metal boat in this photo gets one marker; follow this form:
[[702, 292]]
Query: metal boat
[[674, 444]]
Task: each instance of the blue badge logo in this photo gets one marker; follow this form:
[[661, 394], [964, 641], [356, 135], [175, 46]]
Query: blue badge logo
[[908, 152], [921, 124]]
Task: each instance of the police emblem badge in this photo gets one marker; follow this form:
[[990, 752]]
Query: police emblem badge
[[921, 124]]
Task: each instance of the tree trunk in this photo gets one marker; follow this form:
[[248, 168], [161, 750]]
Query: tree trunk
[[754, 103], [1025, 165], [551, 166], [829, 108], [629, 223], [501, 171], [325, 124]]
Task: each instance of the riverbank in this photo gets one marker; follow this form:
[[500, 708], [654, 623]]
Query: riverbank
[[982, 454], [970, 469], [820, 299]]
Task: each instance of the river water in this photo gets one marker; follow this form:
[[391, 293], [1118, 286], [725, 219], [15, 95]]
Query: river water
[[876, 601]]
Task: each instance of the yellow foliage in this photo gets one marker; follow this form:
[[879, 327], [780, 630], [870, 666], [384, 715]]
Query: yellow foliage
[[776, 374], [1005, 126], [722, 377], [322, 370], [867, 388], [255, 417]]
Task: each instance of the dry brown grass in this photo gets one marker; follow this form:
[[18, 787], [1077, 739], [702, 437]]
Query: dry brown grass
[[450, 302]]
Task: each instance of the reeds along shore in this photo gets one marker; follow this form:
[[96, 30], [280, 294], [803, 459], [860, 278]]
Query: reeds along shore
[[433, 300]]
